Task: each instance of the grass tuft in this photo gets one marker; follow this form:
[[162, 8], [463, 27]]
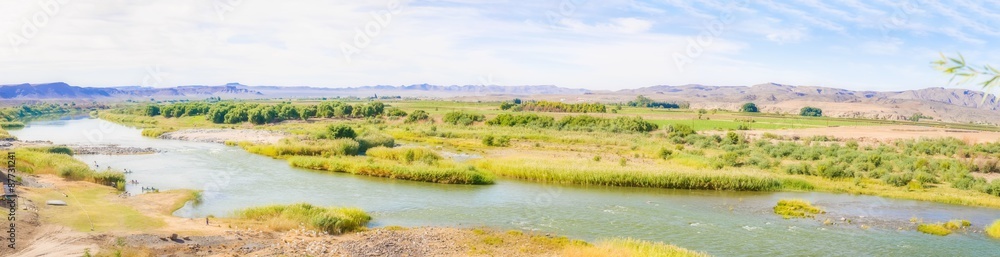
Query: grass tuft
[[287, 217], [993, 230], [796, 209]]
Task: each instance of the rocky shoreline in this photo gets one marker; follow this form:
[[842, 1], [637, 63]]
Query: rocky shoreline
[[112, 150]]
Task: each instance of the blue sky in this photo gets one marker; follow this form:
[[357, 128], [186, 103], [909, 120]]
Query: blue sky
[[615, 44]]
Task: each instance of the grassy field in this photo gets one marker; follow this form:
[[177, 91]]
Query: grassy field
[[90, 208], [675, 154]]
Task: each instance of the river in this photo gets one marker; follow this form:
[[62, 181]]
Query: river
[[717, 222]]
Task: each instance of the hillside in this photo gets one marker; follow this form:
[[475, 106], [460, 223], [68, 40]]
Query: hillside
[[942, 104]]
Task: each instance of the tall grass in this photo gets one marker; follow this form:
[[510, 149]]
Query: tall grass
[[371, 140], [993, 230], [796, 209], [287, 217], [11, 124], [629, 247], [404, 154], [54, 160], [6, 136], [557, 172], [156, 132], [445, 173], [937, 229], [290, 147]]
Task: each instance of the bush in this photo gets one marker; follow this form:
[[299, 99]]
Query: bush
[[338, 131], [418, 115], [287, 217], [490, 140], [748, 107], [934, 229], [898, 179], [665, 153], [811, 112], [463, 118], [522, 120], [368, 141], [680, 130]]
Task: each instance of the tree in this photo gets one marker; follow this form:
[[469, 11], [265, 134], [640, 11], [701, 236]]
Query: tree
[[152, 110], [811, 112], [957, 67], [748, 107], [340, 131]]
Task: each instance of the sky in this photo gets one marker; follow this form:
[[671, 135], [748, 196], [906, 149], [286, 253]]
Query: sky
[[603, 45]]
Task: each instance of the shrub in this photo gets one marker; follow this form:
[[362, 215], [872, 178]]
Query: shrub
[[462, 118], [522, 120], [665, 153], [418, 115], [338, 131], [370, 140], [680, 130], [748, 107], [811, 112], [898, 179], [490, 140], [287, 217]]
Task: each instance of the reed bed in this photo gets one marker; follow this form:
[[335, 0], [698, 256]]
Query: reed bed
[[293, 147], [445, 173], [630, 247], [404, 154], [331, 220], [993, 230], [53, 160], [555, 171], [156, 132], [796, 208]]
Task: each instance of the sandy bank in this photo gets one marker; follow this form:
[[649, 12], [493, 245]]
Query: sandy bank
[[223, 135]]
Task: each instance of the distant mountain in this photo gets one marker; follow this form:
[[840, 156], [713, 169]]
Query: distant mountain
[[64, 91], [945, 104]]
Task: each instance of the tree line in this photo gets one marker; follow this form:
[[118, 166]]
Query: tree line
[[548, 106], [577, 123], [256, 113]]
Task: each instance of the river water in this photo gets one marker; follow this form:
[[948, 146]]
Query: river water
[[717, 222]]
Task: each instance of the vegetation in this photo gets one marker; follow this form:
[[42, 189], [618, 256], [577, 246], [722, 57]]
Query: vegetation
[[256, 113], [796, 209], [462, 118], [630, 247], [57, 160], [578, 123], [749, 107], [958, 68], [547, 106], [934, 229], [5, 136], [437, 172], [993, 230], [333, 221], [642, 101], [418, 115], [811, 112]]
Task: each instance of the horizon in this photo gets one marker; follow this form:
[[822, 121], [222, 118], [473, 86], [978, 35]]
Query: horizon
[[568, 43]]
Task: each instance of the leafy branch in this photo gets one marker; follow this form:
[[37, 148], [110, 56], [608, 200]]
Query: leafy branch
[[959, 69]]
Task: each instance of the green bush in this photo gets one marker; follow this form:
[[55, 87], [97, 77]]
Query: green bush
[[418, 115], [338, 131], [811, 112], [370, 140], [462, 118], [490, 140], [748, 107]]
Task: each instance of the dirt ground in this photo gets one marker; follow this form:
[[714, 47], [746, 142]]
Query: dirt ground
[[885, 133], [223, 135]]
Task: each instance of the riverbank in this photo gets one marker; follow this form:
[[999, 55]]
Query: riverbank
[[223, 135], [87, 225]]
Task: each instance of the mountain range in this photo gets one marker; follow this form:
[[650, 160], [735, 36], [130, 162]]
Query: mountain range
[[943, 104]]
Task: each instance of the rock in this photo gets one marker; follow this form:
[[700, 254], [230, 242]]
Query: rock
[[56, 202]]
